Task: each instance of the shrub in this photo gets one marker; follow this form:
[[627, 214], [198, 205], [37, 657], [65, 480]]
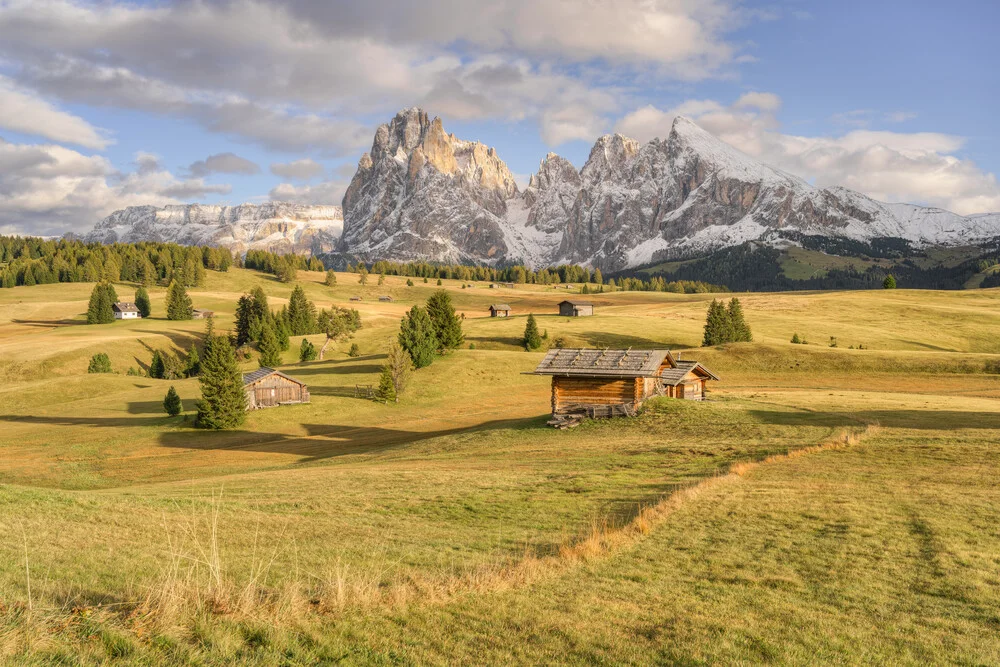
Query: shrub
[[833, 341], [355, 351], [409, 282], [99, 363], [796, 340], [307, 352], [172, 402], [439, 282]]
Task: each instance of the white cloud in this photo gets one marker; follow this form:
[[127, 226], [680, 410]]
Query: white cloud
[[23, 111], [327, 192], [223, 163], [299, 170], [918, 167], [49, 189]]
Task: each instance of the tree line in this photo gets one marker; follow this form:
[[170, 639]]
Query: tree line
[[283, 267]]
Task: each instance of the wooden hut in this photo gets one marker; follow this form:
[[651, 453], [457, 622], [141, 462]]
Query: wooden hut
[[355, 298], [500, 310], [385, 299], [202, 314], [125, 311], [575, 308], [267, 387], [608, 383]]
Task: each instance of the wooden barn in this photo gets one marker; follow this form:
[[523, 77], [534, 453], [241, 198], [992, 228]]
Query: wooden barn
[[385, 299], [267, 388], [500, 310], [125, 311], [609, 383], [576, 308], [202, 314]]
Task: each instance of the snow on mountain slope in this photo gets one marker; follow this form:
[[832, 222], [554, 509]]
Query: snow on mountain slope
[[275, 226]]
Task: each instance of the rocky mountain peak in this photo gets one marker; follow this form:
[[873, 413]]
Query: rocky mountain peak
[[609, 157]]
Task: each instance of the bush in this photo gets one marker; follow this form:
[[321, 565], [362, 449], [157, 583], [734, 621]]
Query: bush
[[99, 363], [409, 282], [439, 282], [796, 340], [307, 352], [355, 351], [172, 402]]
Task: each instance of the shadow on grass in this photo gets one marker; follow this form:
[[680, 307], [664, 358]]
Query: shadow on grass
[[616, 340], [933, 420], [181, 339], [49, 323], [326, 441]]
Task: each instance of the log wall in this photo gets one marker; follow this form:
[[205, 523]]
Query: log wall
[[274, 390]]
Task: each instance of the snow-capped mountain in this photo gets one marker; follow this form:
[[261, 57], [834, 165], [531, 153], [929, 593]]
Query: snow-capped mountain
[[275, 226], [422, 194]]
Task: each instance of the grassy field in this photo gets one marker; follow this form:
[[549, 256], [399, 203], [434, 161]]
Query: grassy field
[[828, 504]]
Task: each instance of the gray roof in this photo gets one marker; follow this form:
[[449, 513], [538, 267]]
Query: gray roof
[[261, 373], [500, 306], [674, 376], [576, 303], [603, 363], [125, 307]]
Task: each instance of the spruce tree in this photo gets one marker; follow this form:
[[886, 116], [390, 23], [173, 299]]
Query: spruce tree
[[223, 402], [157, 367], [301, 313], [416, 336], [193, 365], [447, 325], [142, 302], [244, 312], [178, 302], [172, 402], [740, 330], [99, 310], [889, 282], [386, 392], [307, 351], [532, 340], [331, 278], [362, 275], [99, 363], [270, 349], [717, 329]]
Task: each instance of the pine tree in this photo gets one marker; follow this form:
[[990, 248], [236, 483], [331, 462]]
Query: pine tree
[[142, 302], [244, 312], [270, 350], [447, 325], [301, 313], [386, 392], [99, 363], [99, 310], [172, 402], [416, 336], [532, 341], [193, 364], [717, 329], [598, 277], [157, 367], [283, 334], [362, 275], [178, 302], [381, 279], [307, 351], [889, 282], [331, 278], [740, 330], [223, 402]]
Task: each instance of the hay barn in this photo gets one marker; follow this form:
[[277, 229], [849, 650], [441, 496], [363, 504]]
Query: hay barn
[[576, 308], [608, 383], [500, 310], [202, 314], [267, 388]]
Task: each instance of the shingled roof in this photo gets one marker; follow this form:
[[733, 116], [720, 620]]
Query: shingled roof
[[263, 372], [125, 307], [674, 376], [603, 363], [499, 306]]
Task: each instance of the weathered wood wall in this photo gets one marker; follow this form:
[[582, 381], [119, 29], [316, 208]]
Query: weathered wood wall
[[570, 391], [274, 390]]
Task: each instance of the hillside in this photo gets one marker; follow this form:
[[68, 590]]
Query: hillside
[[418, 532]]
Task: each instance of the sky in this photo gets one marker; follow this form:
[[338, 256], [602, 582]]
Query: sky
[[111, 104]]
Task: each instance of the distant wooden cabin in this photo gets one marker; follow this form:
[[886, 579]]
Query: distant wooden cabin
[[500, 310], [355, 298], [202, 314], [576, 308], [608, 383], [267, 388], [384, 299], [125, 311]]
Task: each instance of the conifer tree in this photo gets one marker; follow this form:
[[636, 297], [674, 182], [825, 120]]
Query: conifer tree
[[416, 336], [142, 302], [331, 278], [740, 330], [244, 311], [223, 401], [307, 351], [598, 277], [301, 313], [283, 334], [99, 363], [400, 366], [172, 402], [532, 340], [386, 392], [178, 302], [193, 364], [447, 325], [362, 274], [717, 329], [99, 309], [270, 350], [889, 282], [157, 367]]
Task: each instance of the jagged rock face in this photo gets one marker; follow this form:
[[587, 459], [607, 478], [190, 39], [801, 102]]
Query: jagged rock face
[[275, 226], [420, 193]]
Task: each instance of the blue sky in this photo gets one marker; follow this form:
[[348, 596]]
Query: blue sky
[[104, 105]]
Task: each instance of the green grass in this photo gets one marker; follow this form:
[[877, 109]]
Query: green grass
[[456, 527]]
